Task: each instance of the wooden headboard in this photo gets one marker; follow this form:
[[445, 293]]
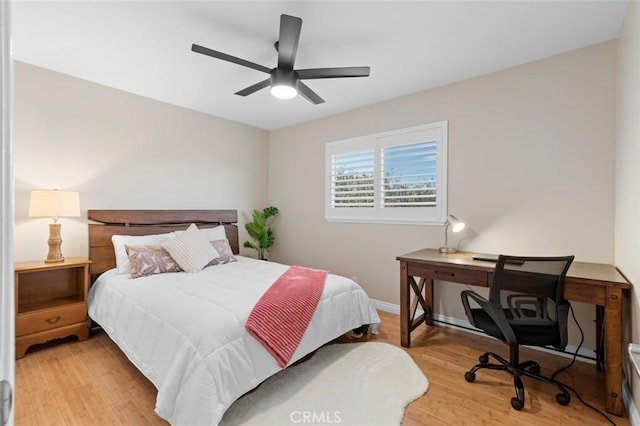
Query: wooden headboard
[[147, 222]]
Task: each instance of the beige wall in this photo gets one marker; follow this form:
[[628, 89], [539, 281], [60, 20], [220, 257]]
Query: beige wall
[[627, 228], [531, 171], [124, 151]]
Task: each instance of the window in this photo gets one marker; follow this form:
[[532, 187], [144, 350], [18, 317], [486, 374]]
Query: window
[[394, 177]]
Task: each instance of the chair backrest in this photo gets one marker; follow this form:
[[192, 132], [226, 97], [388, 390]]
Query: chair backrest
[[530, 287]]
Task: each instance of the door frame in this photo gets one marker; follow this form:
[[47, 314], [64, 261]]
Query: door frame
[[7, 302]]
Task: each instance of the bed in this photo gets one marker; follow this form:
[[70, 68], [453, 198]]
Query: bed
[[185, 331]]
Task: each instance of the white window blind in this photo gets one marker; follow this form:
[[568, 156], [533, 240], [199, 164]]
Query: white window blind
[[409, 174], [352, 180], [397, 176]]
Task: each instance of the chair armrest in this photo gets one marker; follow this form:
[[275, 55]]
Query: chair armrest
[[494, 310]]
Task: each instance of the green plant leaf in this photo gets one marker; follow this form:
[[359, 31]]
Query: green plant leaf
[[270, 211], [270, 238], [249, 244], [259, 218], [254, 230]]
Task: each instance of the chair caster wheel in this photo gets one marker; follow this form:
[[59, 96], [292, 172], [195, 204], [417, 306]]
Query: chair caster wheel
[[470, 376], [563, 399], [517, 404], [484, 359]]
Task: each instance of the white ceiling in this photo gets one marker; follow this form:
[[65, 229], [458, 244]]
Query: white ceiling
[[145, 47]]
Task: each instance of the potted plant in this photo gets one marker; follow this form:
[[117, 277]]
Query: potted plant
[[260, 231]]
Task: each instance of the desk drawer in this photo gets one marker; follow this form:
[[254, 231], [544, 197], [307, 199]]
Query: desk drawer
[[456, 275], [585, 293], [48, 319]]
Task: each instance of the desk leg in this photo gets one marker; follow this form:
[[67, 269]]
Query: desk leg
[[405, 306], [428, 297], [599, 342], [613, 350]]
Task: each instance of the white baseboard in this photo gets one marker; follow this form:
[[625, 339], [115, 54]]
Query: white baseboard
[[386, 307], [585, 354], [632, 410]]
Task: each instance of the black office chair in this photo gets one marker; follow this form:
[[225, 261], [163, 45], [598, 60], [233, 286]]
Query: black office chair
[[525, 307]]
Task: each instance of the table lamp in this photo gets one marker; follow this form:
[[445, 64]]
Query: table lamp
[[54, 204], [456, 226]]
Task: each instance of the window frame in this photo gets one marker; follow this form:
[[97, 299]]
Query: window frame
[[437, 131]]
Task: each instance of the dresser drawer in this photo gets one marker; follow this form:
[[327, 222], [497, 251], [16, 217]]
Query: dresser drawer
[[48, 319]]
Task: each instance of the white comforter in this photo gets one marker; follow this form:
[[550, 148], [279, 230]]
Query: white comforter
[[185, 332]]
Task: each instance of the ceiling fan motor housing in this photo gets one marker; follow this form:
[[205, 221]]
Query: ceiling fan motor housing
[[282, 77]]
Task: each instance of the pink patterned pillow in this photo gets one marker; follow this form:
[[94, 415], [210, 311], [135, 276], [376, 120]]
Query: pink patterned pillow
[[226, 254], [150, 260]]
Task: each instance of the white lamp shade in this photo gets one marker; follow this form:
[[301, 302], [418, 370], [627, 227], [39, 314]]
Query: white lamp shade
[[54, 203], [456, 224]]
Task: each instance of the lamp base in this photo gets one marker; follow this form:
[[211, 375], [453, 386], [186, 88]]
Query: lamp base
[[54, 241], [447, 250]]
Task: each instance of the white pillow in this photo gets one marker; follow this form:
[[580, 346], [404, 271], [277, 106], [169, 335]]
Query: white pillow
[[119, 241], [210, 234], [191, 250]]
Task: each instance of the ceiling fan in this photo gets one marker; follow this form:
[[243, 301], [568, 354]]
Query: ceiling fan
[[285, 81]]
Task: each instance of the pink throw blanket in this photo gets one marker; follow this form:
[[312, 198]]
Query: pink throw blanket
[[281, 316]]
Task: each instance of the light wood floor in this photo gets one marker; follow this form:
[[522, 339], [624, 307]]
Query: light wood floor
[[93, 383]]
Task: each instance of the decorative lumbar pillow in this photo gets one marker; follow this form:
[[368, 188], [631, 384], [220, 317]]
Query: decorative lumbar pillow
[[224, 249], [120, 241], [191, 250], [150, 260]]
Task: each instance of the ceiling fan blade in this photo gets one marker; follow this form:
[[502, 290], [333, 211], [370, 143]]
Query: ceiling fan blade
[[343, 72], [252, 89], [309, 94], [288, 43], [219, 55]]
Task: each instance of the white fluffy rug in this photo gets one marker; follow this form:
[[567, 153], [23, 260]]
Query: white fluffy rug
[[345, 384]]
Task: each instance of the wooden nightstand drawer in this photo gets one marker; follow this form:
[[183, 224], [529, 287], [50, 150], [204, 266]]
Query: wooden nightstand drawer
[[48, 319]]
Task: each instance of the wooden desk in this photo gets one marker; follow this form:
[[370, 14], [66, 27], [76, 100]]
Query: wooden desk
[[598, 284]]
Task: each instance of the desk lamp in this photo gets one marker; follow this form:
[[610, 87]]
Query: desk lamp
[[456, 226], [54, 204]]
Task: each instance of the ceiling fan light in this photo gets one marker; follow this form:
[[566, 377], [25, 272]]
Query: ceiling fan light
[[284, 83], [283, 91]]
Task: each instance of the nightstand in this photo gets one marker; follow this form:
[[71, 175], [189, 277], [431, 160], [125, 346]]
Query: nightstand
[[51, 301]]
